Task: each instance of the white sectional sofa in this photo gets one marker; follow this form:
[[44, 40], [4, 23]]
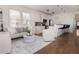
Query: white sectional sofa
[[16, 33]]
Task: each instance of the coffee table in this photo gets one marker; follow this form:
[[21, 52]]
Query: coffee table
[[28, 39]]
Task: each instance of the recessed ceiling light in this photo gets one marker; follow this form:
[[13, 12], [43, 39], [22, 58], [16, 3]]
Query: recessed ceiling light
[[47, 10], [53, 12], [57, 5]]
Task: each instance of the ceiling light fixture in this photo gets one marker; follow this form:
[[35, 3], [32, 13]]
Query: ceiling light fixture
[[57, 5], [53, 12], [47, 10]]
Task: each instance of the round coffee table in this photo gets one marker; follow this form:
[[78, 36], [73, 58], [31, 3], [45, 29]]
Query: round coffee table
[[28, 38]]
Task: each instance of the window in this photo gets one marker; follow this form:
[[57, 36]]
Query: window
[[26, 20], [14, 18], [17, 21]]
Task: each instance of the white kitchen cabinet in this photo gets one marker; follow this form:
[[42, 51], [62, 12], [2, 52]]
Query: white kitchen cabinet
[[39, 29]]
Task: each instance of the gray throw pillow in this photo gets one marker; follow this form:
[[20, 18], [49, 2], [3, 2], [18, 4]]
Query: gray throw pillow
[[24, 30], [18, 30]]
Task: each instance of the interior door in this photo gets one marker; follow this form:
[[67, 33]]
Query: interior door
[[77, 24]]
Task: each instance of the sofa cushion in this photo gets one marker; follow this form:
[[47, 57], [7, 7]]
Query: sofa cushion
[[18, 34], [12, 30]]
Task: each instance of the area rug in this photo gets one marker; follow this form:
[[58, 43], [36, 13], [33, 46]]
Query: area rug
[[19, 46]]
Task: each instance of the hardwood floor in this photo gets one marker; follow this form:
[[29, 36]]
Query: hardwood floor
[[67, 43]]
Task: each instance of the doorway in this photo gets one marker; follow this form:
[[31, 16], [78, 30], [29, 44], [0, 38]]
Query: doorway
[[77, 24]]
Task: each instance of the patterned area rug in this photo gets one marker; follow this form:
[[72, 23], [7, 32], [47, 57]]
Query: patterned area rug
[[20, 46]]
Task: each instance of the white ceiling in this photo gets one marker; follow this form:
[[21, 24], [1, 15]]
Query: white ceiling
[[54, 8]]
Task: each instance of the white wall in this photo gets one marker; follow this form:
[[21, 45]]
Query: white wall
[[65, 18], [35, 15]]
